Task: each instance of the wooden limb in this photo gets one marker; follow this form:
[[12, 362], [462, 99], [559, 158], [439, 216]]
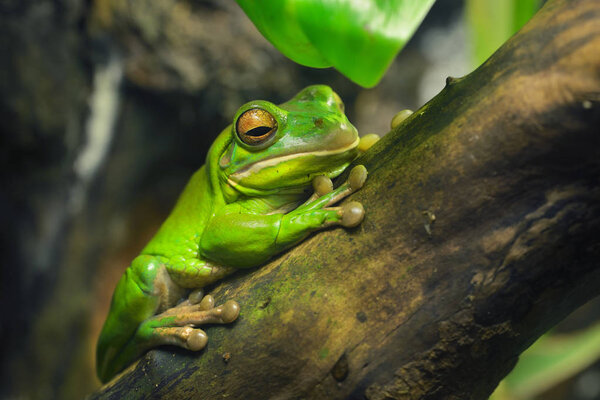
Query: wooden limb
[[482, 231]]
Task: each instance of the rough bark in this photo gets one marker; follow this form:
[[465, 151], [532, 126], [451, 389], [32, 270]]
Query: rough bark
[[507, 159]]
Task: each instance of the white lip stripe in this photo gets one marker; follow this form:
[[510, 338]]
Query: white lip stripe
[[257, 166]]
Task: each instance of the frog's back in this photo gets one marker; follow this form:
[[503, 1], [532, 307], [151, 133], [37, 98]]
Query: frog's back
[[180, 234]]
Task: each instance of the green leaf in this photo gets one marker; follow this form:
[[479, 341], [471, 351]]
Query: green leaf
[[492, 22], [549, 361], [360, 38]]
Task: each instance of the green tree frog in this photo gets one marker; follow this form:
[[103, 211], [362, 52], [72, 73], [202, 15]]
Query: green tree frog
[[249, 202]]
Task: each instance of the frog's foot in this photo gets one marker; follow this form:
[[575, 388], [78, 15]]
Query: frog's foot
[[178, 326], [351, 214], [325, 195], [367, 141], [399, 118], [355, 181], [319, 211], [197, 297]]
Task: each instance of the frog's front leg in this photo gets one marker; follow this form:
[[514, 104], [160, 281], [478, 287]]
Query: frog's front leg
[[245, 240], [317, 213]]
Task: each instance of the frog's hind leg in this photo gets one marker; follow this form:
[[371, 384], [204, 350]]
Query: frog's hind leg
[[178, 325], [140, 317], [144, 288]]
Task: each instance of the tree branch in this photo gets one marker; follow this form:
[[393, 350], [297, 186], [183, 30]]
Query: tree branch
[[507, 159]]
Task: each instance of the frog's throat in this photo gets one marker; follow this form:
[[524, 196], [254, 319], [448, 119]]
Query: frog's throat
[[256, 167], [256, 192]]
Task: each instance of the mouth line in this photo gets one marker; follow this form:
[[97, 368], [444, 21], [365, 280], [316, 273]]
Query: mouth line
[[259, 165]]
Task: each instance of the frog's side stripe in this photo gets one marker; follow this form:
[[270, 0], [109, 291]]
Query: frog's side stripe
[[259, 165]]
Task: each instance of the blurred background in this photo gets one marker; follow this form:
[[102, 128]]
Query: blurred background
[[106, 109]]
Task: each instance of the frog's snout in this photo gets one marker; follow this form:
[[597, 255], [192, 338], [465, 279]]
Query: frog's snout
[[344, 138]]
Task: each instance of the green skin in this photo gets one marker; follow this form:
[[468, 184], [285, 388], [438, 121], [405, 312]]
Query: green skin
[[243, 191]]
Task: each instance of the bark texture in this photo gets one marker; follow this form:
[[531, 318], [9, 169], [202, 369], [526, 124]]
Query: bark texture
[[482, 231]]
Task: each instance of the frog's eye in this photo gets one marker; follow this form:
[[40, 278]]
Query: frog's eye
[[255, 126]]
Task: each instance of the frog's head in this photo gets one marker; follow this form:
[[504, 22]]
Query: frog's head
[[274, 149]]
